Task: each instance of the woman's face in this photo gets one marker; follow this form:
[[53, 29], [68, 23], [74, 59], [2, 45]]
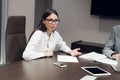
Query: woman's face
[[51, 22]]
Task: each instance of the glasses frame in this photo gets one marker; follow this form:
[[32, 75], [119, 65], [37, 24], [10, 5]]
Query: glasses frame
[[51, 21]]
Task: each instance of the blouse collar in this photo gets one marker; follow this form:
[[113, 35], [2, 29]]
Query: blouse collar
[[47, 37]]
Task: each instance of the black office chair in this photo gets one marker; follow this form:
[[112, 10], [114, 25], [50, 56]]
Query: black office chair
[[15, 38]]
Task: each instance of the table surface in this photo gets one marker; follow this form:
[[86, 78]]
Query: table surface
[[43, 69]]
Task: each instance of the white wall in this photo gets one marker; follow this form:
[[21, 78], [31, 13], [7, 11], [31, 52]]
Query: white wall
[[23, 7], [76, 21], [78, 24]]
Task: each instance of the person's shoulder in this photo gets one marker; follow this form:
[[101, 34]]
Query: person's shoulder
[[116, 27], [56, 32], [38, 31]]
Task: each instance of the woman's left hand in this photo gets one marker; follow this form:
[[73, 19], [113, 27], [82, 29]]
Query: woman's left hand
[[75, 52]]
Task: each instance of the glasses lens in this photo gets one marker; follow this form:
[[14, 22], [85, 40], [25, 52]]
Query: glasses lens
[[51, 21], [56, 21]]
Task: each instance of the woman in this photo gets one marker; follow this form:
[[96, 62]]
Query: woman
[[45, 38]]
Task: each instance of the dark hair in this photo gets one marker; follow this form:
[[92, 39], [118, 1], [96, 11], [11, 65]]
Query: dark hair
[[42, 26], [47, 13]]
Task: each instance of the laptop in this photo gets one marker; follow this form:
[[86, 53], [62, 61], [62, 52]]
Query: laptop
[[117, 68]]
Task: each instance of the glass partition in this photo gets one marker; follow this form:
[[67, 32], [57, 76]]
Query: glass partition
[[3, 21]]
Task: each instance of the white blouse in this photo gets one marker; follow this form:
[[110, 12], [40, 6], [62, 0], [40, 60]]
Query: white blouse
[[39, 42]]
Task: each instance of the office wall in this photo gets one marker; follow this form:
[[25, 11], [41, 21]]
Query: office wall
[[40, 7], [76, 21], [78, 24], [23, 7]]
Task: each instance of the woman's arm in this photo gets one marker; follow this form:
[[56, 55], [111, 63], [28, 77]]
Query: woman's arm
[[30, 50], [65, 48]]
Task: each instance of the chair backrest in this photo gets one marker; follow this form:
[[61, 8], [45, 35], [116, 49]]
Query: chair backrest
[[15, 38]]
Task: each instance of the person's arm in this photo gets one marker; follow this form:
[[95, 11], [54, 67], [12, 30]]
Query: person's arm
[[30, 50], [62, 45], [75, 52], [109, 46]]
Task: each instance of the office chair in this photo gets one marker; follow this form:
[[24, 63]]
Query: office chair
[[15, 38]]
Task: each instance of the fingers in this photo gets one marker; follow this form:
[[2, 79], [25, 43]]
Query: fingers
[[77, 49], [48, 53], [75, 52]]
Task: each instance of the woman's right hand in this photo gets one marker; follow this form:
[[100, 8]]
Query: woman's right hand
[[48, 53]]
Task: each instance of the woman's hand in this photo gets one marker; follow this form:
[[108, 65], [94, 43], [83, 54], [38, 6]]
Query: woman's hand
[[48, 53], [75, 52]]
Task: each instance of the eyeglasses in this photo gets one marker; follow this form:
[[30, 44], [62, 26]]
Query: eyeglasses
[[51, 21]]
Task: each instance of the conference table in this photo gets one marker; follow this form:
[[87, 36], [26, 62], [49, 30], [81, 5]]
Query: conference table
[[44, 69]]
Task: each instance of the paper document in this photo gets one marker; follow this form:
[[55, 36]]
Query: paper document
[[108, 61], [99, 58], [88, 77], [65, 58], [92, 56]]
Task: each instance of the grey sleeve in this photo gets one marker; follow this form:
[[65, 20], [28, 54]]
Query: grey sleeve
[[109, 46]]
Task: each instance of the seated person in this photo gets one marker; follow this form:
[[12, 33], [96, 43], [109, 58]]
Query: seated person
[[112, 46], [45, 38]]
